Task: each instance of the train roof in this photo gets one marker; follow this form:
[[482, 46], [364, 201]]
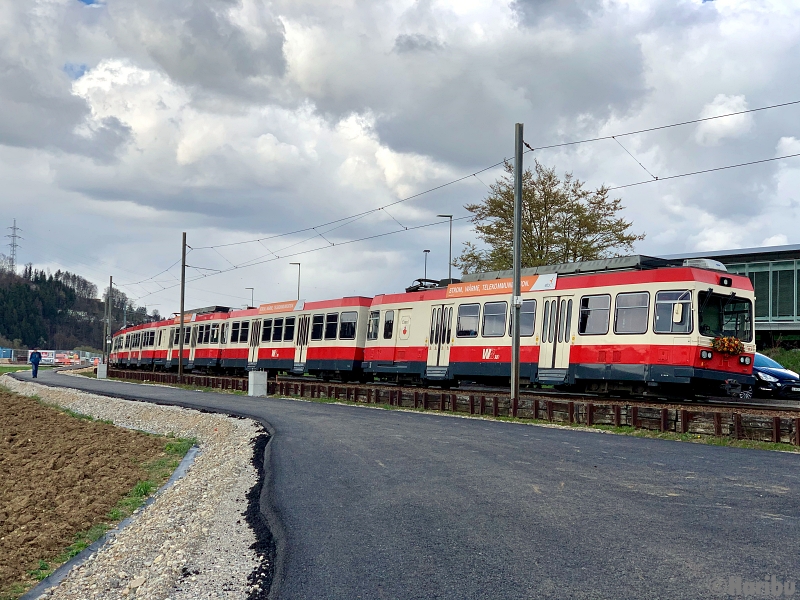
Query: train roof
[[636, 262]]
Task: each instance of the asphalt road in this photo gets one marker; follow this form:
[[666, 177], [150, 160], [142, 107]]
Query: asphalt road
[[385, 504]]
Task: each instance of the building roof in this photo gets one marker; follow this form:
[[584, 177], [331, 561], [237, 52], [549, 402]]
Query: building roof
[[787, 252]]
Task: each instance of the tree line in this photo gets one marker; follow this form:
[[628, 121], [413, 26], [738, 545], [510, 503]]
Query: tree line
[[58, 310]]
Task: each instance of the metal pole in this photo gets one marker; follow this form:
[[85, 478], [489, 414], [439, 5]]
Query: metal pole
[[516, 299], [183, 297], [110, 304], [298, 278], [450, 255], [425, 253], [105, 323]]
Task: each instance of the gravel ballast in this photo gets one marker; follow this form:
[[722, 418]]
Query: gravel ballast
[[193, 540]]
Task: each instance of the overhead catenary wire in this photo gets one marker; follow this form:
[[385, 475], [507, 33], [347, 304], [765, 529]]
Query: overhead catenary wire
[[352, 218], [302, 252]]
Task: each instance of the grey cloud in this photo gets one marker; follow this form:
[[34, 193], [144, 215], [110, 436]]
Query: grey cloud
[[564, 12], [415, 42], [198, 43]]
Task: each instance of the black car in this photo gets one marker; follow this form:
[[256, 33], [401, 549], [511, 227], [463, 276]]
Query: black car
[[773, 380]]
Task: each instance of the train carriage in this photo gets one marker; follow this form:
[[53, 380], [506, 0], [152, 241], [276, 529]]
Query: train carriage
[[634, 324], [331, 337]]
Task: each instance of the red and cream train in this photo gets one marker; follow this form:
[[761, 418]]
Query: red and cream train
[[632, 324]]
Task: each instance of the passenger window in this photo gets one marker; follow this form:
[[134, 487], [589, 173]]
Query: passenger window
[[388, 324], [594, 315], [317, 326], [187, 332], [467, 321], [207, 334], [224, 334], [347, 326], [235, 333], [372, 327], [244, 331], [331, 325], [215, 333], [288, 332], [568, 323], [277, 330], [527, 318], [631, 311], [266, 332], [494, 319], [667, 313]]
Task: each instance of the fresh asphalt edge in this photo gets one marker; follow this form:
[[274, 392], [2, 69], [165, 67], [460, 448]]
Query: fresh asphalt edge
[[268, 529], [57, 576]]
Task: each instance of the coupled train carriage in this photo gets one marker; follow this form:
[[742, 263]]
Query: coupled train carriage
[[636, 325]]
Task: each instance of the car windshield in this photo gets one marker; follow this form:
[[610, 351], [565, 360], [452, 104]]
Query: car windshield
[[725, 315], [765, 362]]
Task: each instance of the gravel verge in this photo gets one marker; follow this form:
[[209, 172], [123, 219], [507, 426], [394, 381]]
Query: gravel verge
[[196, 539]]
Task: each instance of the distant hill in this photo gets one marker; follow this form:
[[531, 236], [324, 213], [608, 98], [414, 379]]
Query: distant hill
[[59, 310]]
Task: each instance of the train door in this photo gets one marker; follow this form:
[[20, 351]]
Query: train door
[[192, 346], [301, 343], [554, 348], [439, 340], [255, 341], [170, 345]]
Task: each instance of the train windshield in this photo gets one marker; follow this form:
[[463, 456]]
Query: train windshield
[[725, 315]]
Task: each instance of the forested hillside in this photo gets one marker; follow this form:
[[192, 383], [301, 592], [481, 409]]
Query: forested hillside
[[57, 311]]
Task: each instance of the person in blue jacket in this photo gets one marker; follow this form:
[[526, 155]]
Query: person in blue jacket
[[35, 358]]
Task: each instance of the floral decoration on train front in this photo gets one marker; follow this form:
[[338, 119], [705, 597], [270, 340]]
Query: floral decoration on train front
[[728, 345]]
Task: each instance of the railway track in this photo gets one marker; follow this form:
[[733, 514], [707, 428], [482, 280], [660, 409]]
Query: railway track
[[722, 417]]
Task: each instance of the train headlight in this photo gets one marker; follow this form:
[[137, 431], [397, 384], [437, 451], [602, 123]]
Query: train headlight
[[706, 354], [745, 360]]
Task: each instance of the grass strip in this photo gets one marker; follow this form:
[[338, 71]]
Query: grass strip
[[694, 438], [158, 473]]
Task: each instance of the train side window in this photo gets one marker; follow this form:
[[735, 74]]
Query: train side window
[[187, 332], [277, 330], [631, 312], [207, 334], [595, 312], [449, 333], [527, 319], [331, 325], [467, 322], [317, 327], [223, 336], [494, 319], [372, 327], [288, 330], [388, 324], [244, 331], [568, 324], [215, 333], [266, 331], [347, 325], [235, 333], [673, 313]]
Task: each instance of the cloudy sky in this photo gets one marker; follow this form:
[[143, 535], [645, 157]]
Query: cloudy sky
[[124, 123]]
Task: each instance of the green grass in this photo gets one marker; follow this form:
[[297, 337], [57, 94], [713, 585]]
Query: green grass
[[158, 472], [624, 430], [183, 386], [788, 358], [15, 368]]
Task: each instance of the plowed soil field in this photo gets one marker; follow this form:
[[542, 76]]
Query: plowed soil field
[[59, 475]]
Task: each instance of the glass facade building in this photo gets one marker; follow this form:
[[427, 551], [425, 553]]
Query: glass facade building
[[775, 273]]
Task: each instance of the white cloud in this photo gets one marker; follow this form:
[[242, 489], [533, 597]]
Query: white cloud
[[253, 119], [711, 133]]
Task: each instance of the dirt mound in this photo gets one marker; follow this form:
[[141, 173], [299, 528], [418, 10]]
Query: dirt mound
[[59, 474]]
